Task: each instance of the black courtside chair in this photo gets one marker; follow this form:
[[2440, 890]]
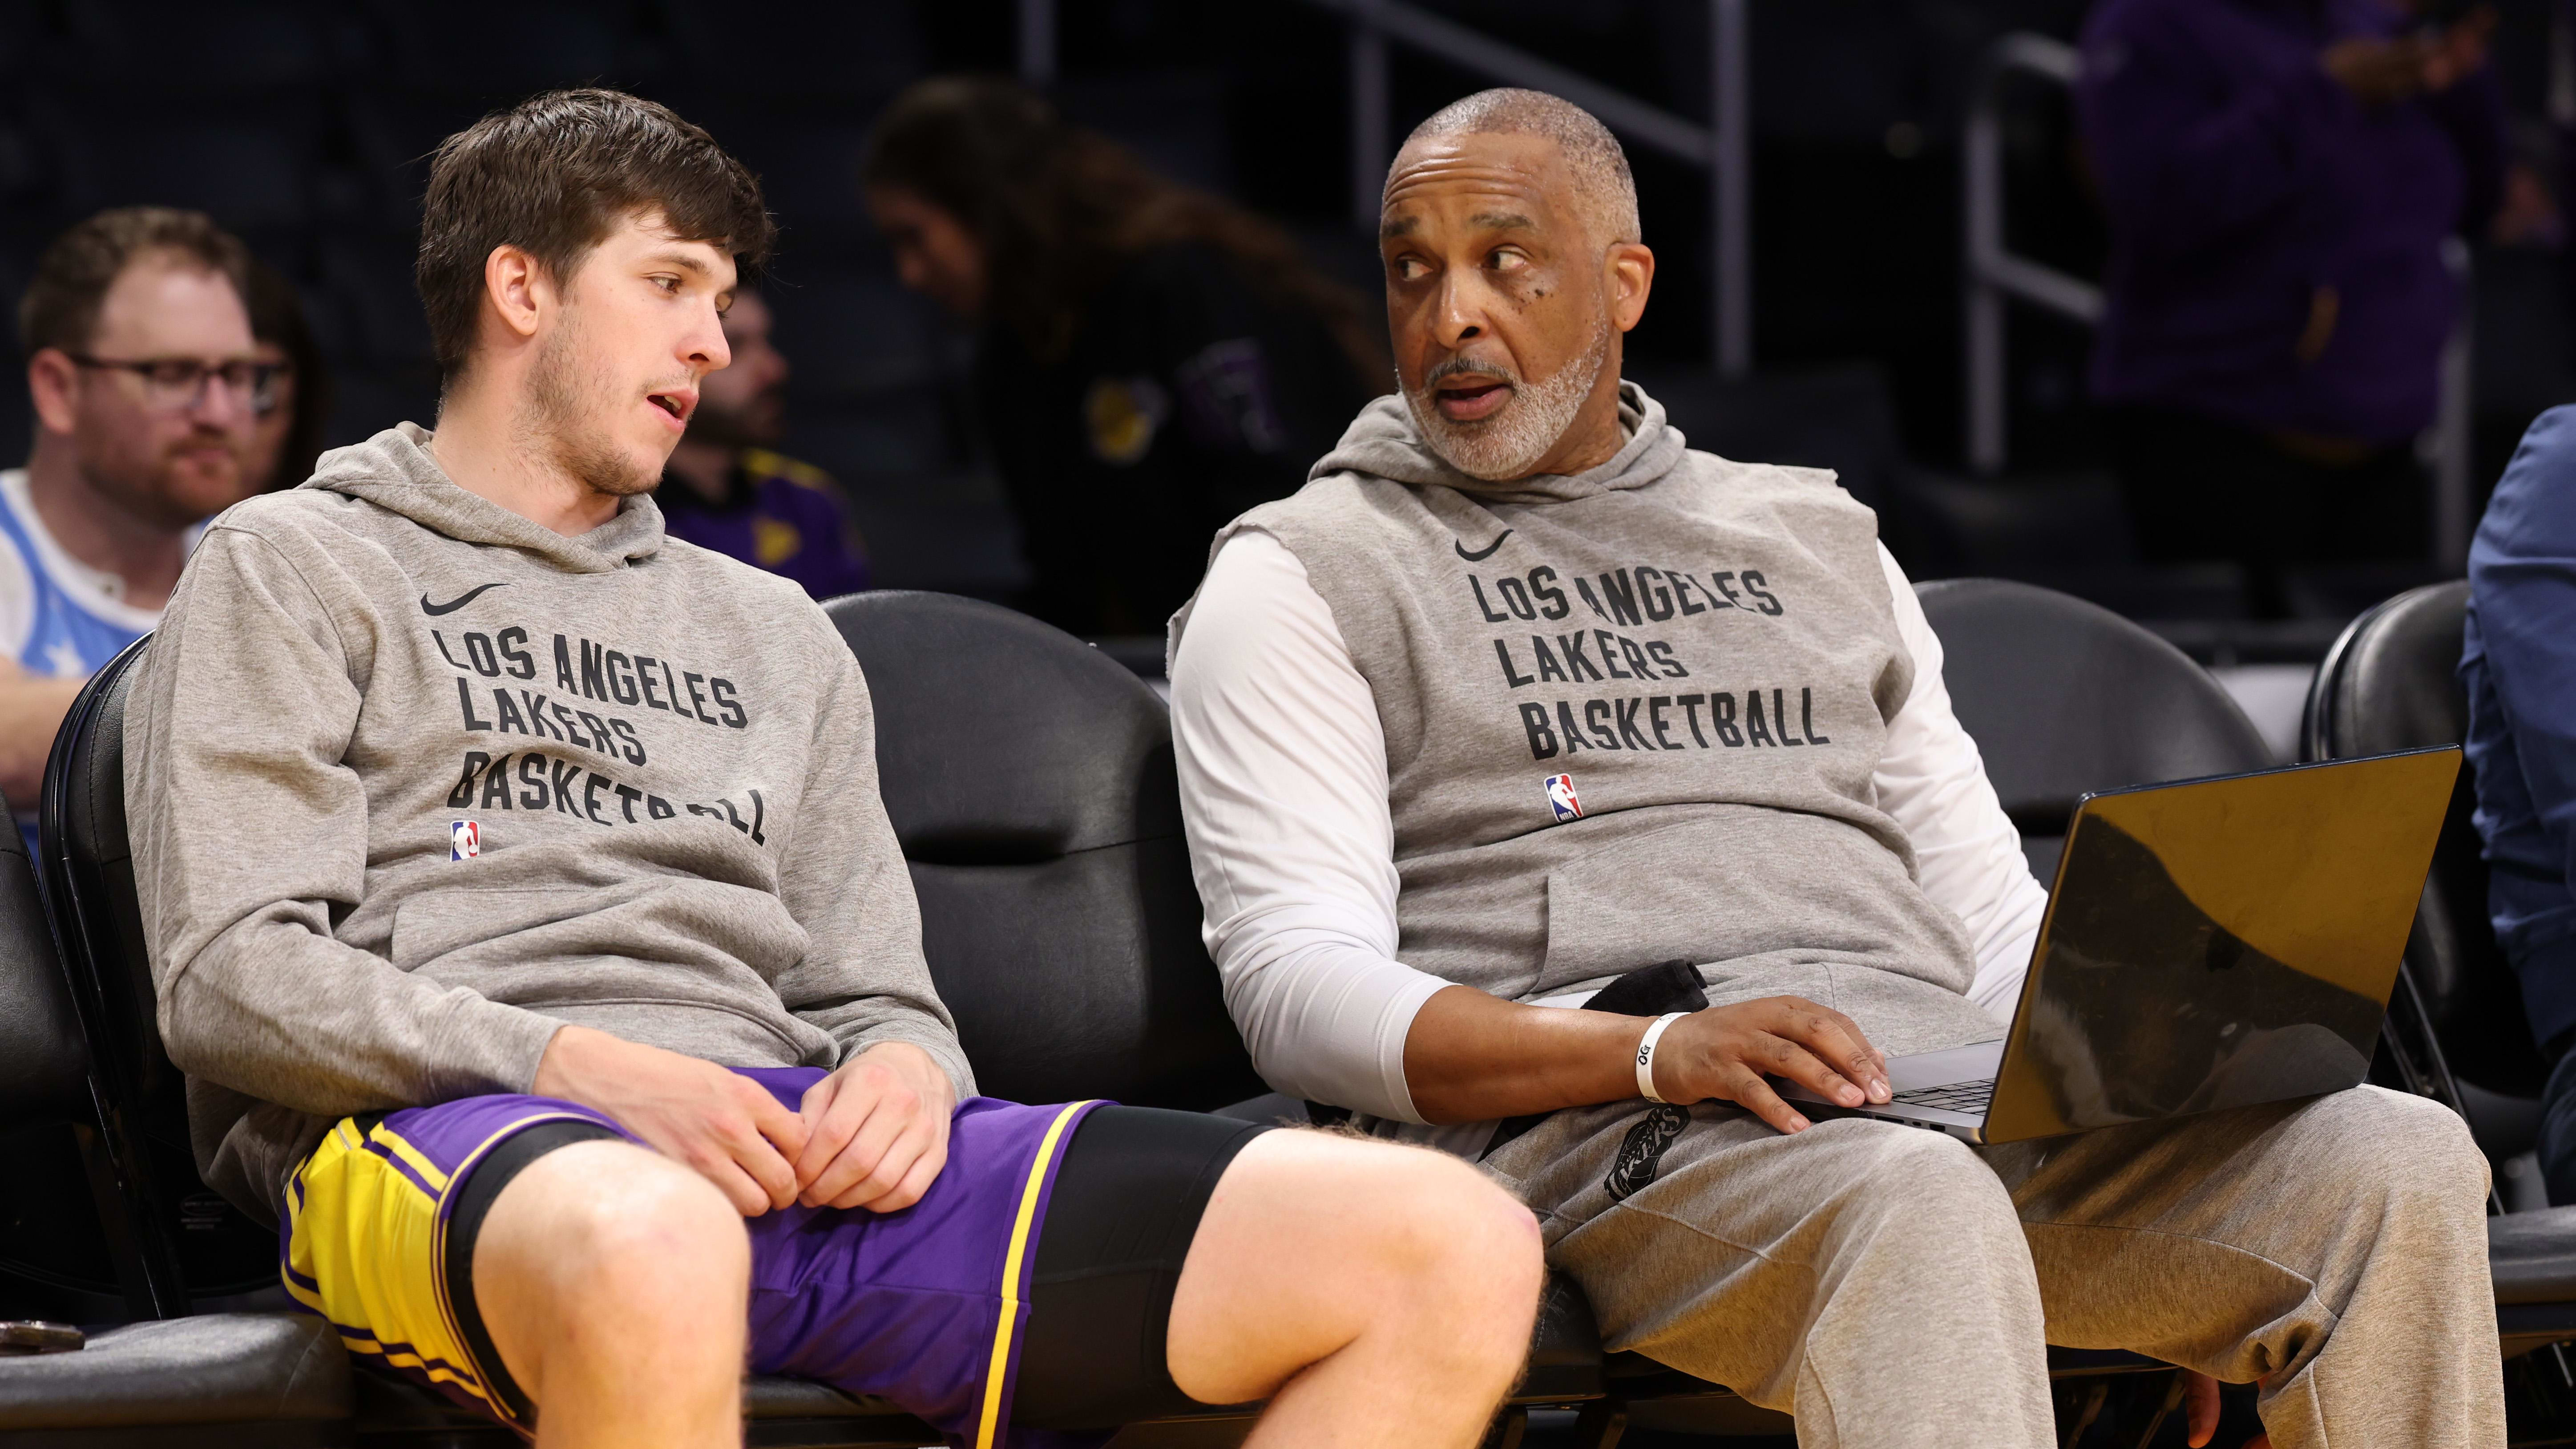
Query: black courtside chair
[[2456, 1030], [229, 1381], [2064, 697]]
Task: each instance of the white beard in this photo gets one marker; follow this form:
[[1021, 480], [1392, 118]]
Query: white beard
[[1509, 443]]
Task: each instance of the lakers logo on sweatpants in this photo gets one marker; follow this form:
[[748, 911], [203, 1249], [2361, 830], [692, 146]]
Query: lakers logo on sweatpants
[[1643, 1151]]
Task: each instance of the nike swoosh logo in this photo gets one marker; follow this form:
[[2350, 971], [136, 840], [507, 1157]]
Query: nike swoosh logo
[[454, 604], [1482, 554]]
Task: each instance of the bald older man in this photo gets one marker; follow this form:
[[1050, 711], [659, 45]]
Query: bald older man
[[1521, 696]]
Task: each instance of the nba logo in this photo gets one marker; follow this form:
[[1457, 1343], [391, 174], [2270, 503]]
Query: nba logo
[[1560, 797], [464, 840]]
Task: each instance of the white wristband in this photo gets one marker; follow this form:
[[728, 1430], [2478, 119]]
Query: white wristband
[[1646, 1054]]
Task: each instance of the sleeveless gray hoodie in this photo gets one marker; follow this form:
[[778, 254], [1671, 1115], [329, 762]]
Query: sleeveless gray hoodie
[[1633, 715]]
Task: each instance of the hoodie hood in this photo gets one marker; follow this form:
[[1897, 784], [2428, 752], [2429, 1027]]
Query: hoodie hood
[[394, 471], [1383, 442]]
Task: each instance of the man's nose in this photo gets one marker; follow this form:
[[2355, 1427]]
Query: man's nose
[[1459, 317], [708, 351]]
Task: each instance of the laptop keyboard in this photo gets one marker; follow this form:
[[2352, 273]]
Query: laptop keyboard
[[1970, 1097]]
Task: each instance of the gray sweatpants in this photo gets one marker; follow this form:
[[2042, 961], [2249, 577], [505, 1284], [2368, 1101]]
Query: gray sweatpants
[[1892, 1286]]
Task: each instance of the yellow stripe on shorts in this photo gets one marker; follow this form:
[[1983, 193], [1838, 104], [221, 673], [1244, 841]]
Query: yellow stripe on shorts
[[1014, 1270]]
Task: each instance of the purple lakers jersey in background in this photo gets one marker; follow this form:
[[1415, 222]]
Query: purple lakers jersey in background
[[777, 514]]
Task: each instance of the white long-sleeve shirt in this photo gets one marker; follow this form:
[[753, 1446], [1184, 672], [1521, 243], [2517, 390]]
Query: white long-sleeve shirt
[[1284, 788]]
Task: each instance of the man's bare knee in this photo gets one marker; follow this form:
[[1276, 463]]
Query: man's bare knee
[[1463, 1239], [1458, 1263], [600, 1229], [1316, 1243]]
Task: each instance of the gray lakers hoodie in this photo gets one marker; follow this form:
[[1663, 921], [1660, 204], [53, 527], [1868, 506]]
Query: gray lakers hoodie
[[1633, 715], [415, 781]]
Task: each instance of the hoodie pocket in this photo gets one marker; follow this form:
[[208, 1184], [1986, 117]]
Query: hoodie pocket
[[1729, 886], [427, 927]]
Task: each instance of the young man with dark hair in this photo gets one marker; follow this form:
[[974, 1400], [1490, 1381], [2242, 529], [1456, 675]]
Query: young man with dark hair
[[1522, 696], [526, 919], [143, 371]]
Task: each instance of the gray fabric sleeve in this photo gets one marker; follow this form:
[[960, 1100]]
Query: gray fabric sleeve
[[250, 838], [844, 880]]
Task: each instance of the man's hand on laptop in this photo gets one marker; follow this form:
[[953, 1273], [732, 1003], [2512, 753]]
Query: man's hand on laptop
[[722, 1123], [1725, 1052], [876, 1130]]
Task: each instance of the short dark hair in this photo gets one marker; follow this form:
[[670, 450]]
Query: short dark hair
[[60, 307], [554, 175], [1606, 189]]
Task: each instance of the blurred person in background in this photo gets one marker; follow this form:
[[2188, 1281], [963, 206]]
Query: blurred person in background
[[1151, 361], [2281, 177], [734, 495], [287, 437], [146, 381]]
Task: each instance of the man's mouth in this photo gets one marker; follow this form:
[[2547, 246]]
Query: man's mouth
[[1470, 398], [676, 403]]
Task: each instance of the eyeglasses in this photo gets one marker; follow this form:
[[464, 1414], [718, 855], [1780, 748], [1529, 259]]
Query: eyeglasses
[[172, 384]]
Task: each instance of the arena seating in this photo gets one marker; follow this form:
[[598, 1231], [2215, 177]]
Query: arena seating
[[1030, 783], [2063, 697]]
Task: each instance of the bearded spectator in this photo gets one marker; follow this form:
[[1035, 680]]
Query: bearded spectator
[[147, 384], [725, 489]]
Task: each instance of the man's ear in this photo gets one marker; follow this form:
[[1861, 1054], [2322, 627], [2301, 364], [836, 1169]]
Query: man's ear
[[517, 290], [53, 382], [1631, 268]]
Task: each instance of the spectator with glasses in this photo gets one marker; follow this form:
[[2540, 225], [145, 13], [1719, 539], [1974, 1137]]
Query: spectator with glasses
[[147, 385]]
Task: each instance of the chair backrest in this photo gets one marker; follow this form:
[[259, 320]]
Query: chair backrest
[[44, 1065], [57, 1231], [88, 868], [2391, 683], [194, 1242], [2065, 697], [1030, 781]]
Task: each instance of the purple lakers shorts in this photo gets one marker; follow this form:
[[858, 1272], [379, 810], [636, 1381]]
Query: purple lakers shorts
[[922, 1307]]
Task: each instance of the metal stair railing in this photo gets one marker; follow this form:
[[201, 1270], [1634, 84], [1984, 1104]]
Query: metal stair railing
[[1992, 272]]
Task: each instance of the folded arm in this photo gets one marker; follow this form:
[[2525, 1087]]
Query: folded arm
[[32, 707]]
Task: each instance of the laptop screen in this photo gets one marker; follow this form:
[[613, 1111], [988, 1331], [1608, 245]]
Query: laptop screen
[[2219, 943]]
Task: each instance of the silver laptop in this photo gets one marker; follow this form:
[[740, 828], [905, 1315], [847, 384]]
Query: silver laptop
[[2208, 944]]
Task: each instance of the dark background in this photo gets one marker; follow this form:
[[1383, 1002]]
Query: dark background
[[301, 125]]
